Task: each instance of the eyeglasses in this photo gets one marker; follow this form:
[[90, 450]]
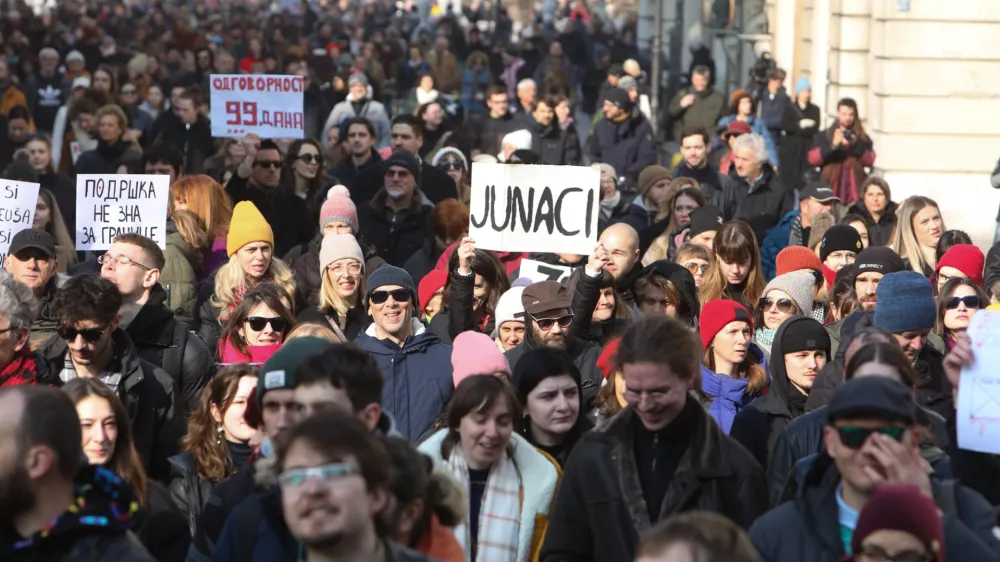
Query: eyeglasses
[[695, 268], [128, 92], [398, 295], [257, 323], [296, 478], [785, 306], [546, 323], [121, 260], [267, 164], [311, 158], [453, 165], [90, 335], [397, 173], [633, 397], [876, 553], [971, 301], [352, 269], [854, 437]]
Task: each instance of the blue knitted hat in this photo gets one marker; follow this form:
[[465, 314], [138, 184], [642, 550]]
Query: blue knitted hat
[[390, 275], [803, 84], [905, 302]]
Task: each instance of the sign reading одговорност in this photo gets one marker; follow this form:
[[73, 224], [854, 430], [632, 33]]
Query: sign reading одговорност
[[111, 204], [269, 105]]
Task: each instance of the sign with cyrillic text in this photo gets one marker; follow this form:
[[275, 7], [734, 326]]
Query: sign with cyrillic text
[[268, 105], [541, 271], [17, 210], [111, 204], [530, 208]]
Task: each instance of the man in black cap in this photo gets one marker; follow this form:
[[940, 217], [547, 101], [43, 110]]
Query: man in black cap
[[548, 318], [705, 221], [871, 439], [396, 220], [624, 138], [840, 246], [32, 260], [870, 266], [795, 226]]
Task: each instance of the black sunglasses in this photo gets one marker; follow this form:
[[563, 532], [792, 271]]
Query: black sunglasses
[[785, 306], [267, 163], [398, 295], [90, 335], [257, 323], [311, 158], [854, 437], [971, 301], [546, 323], [454, 165]]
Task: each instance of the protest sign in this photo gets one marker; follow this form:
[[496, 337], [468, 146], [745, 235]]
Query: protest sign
[[17, 209], [111, 204], [540, 271], [528, 208], [270, 106], [978, 416]]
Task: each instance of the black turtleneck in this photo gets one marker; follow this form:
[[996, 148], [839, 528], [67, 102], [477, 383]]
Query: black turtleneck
[[659, 453], [239, 453], [735, 292]]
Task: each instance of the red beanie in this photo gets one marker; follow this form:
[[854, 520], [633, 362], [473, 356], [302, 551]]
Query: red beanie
[[794, 258], [901, 507], [606, 362], [429, 285], [716, 314], [966, 258]]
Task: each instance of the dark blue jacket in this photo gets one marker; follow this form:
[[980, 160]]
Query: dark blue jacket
[[628, 146], [418, 381], [776, 241], [256, 531]]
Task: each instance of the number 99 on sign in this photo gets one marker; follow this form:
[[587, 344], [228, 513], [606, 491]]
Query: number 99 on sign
[[241, 113]]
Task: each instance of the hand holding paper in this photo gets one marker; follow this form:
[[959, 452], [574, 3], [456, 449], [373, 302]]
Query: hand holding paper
[[978, 416]]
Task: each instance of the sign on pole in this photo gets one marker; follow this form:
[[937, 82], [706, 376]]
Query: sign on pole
[[17, 210], [111, 204], [268, 105], [530, 208]]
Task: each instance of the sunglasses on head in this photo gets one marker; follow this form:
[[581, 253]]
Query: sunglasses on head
[[311, 158], [267, 163], [971, 301], [90, 335], [854, 437], [785, 306], [454, 165], [547, 323], [258, 323], [398, 295]]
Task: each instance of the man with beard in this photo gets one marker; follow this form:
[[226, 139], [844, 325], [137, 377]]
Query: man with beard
[[48, 499], [661, 455], [360, 135], [548, 318], [870, 266], [415, 364], [548, 140], [622, 244], [717, 188]]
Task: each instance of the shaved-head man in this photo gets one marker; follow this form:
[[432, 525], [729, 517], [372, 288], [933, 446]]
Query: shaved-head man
[[622, 243]]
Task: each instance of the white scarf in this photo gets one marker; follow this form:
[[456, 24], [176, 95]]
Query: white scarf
[[499, 513], [608, 205]]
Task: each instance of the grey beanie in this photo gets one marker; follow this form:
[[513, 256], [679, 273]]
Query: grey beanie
[[390, 275], [798, 285]]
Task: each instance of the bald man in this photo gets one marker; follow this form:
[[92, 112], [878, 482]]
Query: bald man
[[622, 243]]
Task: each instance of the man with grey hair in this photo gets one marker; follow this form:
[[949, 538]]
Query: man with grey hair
[[761, 199], [47, 90], [18, 363], [527, 97]]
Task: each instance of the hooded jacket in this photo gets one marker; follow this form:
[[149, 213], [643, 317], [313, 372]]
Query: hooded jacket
[[179, 276], [96, 531], [727, 395], [682, 279], [600, 511], [418, 382], [758, 426]]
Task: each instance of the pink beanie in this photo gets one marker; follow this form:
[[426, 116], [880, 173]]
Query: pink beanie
[[338, 207], [475, 353]]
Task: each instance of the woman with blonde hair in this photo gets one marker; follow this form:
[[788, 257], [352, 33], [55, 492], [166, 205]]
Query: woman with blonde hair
[[919, 226], [250, 246], [207, 199], [683, 196], [735, 272], [63, 189], [341, 306], [186, 237]]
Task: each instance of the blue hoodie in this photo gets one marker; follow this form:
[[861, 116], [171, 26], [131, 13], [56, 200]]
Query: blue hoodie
[[727, 393]]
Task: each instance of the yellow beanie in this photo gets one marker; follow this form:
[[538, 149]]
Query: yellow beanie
[[247, 226], [993, 307]]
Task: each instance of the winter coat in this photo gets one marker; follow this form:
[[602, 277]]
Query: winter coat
[[223, 500], [777, 239], [489, 132], [357, 321], [539, 479], [149, 395], [719, 189], [195, 142], [418, 382], [796, 143], [584, 355], [727, 394], [189, 492], [283, 210], [179, 275], [423, 260], [399, 236], [447, 73], [207, 324], [346, 171], [553, 145], [70, 538], [879, 232], [762, 204], [772, 110], [370, 109], [585, 299], [706, 110], [757, 127], [161, 527], [460, 317], [600, 510], [807, 528], [433, 182], [628, 145], [843, 168], [107, 158], [169, 344]]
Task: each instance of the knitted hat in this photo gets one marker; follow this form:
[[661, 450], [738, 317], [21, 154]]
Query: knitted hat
[[803, 84], [607, 361], [879, 259], [606, 169], [820, 224], [430, 284], [627, 83], [390, 275], [905, 302], [716, 314], [798, 285], [705, 219], [279, 371], [901, 507], [619, 98], [841, 237], [338, 246], [338, 207], [474, 353], [439, 155], [794, 258], [246, 226], [509, 308], [650, 175], [966, 258], [403, 159]]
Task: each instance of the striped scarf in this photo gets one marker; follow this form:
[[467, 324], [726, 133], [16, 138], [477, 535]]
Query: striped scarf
[[500, 514]]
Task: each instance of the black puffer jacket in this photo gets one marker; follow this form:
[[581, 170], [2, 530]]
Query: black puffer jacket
[[552, 144], [459, 316], [396, 238], [586, 293]]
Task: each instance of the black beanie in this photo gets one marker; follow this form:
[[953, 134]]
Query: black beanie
[[806, 335], [620, 98], [879, 259], [705, 219], [403, 159], [837, 238]]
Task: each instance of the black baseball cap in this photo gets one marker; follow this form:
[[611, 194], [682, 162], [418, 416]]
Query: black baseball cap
[[820, 192], [874, 396], [33, 238]]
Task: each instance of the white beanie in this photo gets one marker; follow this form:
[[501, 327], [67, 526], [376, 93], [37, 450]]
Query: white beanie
[[509, 308], [439, 155], [336, 247]]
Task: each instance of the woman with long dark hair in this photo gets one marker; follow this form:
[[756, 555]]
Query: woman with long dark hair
[[64, 189], [474, 286], [303, 174], [959, 300], [257, 327], [876, 207], [48, 217]]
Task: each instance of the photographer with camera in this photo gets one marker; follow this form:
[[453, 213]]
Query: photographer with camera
[[843, 151]]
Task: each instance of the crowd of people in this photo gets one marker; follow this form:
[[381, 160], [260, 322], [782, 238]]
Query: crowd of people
[[758, 360]]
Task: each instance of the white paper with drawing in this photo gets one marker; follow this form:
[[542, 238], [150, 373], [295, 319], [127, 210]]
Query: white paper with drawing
[[979, 387], [527, 208]]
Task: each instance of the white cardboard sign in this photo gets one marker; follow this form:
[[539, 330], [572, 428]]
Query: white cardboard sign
[[978, 416], [111, 204], [269, 105], [532, 208], [17, 210], [540, 271]]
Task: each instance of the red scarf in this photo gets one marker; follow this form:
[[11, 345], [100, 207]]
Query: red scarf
[[23, 369]]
